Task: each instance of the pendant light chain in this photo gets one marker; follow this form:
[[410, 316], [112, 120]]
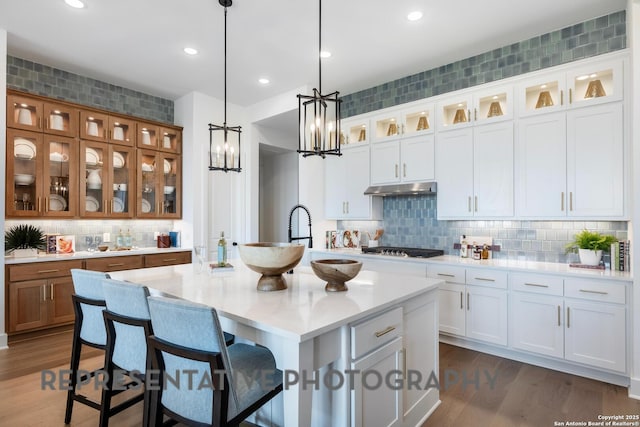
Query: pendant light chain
[[320, 46], [225, 70]]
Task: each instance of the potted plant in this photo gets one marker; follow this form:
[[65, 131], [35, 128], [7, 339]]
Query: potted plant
[[590, 245], [24, 240]]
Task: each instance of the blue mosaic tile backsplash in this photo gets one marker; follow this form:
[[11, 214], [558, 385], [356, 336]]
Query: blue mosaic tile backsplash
[[43, 80], [586, 39]]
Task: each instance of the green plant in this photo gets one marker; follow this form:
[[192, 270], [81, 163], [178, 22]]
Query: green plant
[[591, 240], [24, 236]]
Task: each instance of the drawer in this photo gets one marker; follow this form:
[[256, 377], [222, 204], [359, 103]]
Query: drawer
[[115, 263], [172, 258], [537, 283], [595, 290], [446, 272], [485, 277], [42, 270], [371, 334]]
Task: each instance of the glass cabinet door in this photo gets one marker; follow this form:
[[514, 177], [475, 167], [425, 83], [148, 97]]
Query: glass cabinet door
[[543, 95], [147, 136], [60, 119], [122, 174], [24, 113], [149, 174], [595, 84], [418, 120], [93, 126], [95, 191], [170, 141], [455, 113], [354, 131], [23, 190], [493, 105], [170, 187], [122, 131], [60, 174], [386, 127]]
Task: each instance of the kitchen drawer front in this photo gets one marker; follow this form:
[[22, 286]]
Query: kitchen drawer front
[[537, 283], [446, 272], [173, 258], [371, 334], [42, 270], [485, 277], [115, 263], [595, 290]]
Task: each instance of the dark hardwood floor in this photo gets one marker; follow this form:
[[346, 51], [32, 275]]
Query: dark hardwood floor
[[509, 393]]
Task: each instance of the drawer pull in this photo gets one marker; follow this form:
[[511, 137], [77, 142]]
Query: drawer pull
[[536, 285], [587, 291], [385, 331], [446, 275], [169, 259], [119, 264], [484, 280], [48, 271]]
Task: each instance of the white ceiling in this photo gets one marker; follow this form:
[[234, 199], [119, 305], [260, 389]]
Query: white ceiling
[[138, 43]]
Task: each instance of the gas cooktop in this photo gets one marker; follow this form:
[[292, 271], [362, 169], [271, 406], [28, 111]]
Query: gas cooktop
[[405, 252]]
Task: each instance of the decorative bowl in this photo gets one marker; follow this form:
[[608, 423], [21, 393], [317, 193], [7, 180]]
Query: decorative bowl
[[24, 179], [271, 260], [168, 189], [336, 272], [103, 248]]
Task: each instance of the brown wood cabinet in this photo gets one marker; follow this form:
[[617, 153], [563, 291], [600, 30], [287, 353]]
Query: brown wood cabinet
[[39, 295], [115, 263], [69, 161], [171, 258]]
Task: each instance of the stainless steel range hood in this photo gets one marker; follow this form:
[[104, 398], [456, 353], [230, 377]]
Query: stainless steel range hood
[[401, 189]]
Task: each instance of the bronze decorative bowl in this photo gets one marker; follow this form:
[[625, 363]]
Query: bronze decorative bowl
[[336, 272], [271, 260]]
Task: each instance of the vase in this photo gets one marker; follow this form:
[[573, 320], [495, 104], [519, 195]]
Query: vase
[[589, 257], [25, 253]]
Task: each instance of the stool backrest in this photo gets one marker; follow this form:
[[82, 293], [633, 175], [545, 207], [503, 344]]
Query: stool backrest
[[128, 300], [87, 284]]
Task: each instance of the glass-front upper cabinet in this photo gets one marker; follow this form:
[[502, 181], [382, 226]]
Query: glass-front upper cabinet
[[418, 120], [543, 94], [42, 178], [121, 131], [94, 126], [595, 84], [159, 185], [24, 112], [148, 136], [386, 126], [122, 174], [354, 131], [455, 113], [170, 140], [493, 105]]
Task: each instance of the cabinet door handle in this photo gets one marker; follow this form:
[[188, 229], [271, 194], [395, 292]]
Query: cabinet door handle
[[44, 293], [561, 97], [587, 291], [484, 279], [570, 96], [475, 114], [468, 302], [385, 331], [404, 362], [571, 200], [404, 170], [469, 114], [51, 291], [119, 264], [48, 271], [446, 275], [562, 201], [536, 285], [568, 319], [39, 207], [396, 170], [469, 203], [559, 309], [46, 205], [39, 122], [475, 203], [461, 301]]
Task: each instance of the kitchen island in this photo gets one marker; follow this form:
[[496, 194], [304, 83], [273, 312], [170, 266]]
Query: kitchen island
[[383, 322]]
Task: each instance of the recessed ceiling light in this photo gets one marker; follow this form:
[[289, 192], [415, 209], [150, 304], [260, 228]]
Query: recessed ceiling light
[[414, 16], [75, 3], [325, 54], [263, 81], [190, 51]]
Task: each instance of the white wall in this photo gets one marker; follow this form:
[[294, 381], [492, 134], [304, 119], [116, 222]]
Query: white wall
[[278, 193], [3, 149]]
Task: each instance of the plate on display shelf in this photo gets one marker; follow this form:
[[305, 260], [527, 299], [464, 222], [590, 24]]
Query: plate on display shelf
[[118, 160], [146, 206], [24, 149], [57, 202], [92, 204], [118, 205], [92, 158]]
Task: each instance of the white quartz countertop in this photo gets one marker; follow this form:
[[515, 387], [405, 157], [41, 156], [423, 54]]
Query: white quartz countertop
[[301, 312], [501, 264], [86, 255]]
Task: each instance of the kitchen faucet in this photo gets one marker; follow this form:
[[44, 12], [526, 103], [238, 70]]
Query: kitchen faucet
[[291, 237]]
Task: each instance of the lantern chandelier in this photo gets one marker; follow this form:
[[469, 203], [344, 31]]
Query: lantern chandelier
[[224, 157], [319, 115]]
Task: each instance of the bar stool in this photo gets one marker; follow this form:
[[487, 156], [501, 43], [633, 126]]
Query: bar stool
[[88, 329], [188, 338]]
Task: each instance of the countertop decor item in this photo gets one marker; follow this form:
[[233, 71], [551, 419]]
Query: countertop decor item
[[271, 260], [319, 114], [24, 240], [226, 150], [336, 272], [590, 245]]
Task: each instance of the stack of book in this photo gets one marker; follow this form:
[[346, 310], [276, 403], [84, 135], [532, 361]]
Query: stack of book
[[620, 256]]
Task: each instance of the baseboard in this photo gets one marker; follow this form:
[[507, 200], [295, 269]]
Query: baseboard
[[4, 341], [634, 388]]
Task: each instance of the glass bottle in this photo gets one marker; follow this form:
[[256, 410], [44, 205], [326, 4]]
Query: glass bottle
[[222, 250], [128, 240], [463, 247], [120, 240]]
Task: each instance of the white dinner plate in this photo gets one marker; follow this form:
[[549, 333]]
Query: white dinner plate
[[24, 149], [167, 166], [57, 202], [146, 167], [91, 204], [118, 160], [118, 205], [146, 206], [92, 158]]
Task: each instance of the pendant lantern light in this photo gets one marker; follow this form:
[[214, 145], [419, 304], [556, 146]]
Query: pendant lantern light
[[226, 154], [319, 115]]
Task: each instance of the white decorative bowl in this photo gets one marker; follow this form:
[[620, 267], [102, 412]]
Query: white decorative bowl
[[24, 179], [271, 260]]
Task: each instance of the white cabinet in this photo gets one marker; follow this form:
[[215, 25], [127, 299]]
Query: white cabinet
[[346, 179], [474, 171], [481, 106], [354, 130], [571, 164], [473, 303]]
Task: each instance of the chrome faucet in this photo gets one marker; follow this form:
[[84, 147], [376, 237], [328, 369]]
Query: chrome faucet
[[291, 237]]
